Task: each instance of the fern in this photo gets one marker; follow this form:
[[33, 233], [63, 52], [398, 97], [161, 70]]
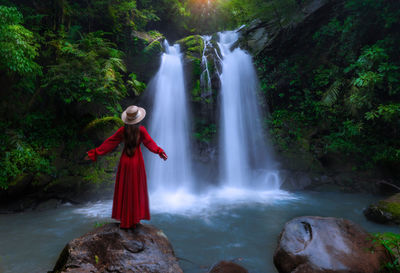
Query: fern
[[333, 93]]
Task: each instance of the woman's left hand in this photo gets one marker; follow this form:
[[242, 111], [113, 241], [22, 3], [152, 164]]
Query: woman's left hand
[[163, 155]]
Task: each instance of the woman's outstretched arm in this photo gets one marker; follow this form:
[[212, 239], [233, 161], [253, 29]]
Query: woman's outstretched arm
[[107, 146], [150, 144]]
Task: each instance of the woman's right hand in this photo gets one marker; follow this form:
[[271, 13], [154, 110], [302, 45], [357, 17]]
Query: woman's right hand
[[87, 157], [163, 155]]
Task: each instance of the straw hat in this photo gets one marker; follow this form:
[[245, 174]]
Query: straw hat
[[133, 114]]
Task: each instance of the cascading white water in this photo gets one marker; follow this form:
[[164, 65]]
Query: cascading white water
[[249, 175], [245, 158], [168, 126], [205, 78], [172, 182]]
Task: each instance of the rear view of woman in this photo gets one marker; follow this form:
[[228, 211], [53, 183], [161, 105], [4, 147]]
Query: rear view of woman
[[131, 201]]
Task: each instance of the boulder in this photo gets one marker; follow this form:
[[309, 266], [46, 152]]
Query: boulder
[[385, 211], [227, 267], [322, 245], [144, 249], [192, 46]]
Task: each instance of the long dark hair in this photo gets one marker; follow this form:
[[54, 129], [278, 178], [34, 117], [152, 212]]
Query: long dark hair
[[131, 138]]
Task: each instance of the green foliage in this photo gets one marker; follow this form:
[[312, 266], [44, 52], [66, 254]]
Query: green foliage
[[154, 47], [391, 241], [285, 128], [79, 47], [194, 16], [100, 123], [344, 141], [103, 171], [196, 91], [340, 92], [278, 12], [21, 160], [387, 155], [333, 93], [205, 132], [86, 71], [96, 175], [193, 47], [100, 224], [18, 48], [137, 86], [388, 113]]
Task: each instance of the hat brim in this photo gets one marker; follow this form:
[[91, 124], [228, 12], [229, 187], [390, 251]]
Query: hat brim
[[141, 112]]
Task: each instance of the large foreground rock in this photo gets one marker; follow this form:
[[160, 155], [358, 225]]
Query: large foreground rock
[[228, 267], [145, 249], [321, 245], [385, 211]]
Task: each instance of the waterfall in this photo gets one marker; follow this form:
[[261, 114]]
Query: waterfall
[[245, 158], [205, 79], [169, 126], [246, 167]]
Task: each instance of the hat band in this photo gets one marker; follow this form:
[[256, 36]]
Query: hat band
[[133, 117]]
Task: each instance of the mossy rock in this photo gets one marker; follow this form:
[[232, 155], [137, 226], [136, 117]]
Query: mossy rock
[[192, 46], [148, 37], [154, 47], [385, 211], [102, 128]]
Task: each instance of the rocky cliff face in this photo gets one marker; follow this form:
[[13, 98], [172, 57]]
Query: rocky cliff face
[[267, 38]]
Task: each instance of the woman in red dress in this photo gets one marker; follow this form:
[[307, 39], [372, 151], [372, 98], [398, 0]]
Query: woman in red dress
[[131, 201]]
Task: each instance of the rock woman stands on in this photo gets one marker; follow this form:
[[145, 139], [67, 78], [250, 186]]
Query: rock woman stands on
[[131, 201]]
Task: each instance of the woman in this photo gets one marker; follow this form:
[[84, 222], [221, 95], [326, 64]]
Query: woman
[[131, 201]]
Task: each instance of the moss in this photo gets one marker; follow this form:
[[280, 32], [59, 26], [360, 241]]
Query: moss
[[211, 66], [394, 209], [102, 172], [155, 35], [196, 91], [196, 68], [390, 206], [148, 37], [192, 46], [205, 132], [154, 47], [97, 175], [101, 224], [194, 42], [103, 123]]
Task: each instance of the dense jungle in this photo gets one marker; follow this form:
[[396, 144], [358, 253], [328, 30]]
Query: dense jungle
[[328, 73]]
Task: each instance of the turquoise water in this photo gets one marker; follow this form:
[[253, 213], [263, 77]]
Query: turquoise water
[[204, 231]]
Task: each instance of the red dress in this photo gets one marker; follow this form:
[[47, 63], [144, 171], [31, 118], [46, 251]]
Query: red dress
[[131, 200]]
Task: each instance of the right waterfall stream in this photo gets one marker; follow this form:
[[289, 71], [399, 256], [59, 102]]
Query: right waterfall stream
[[245, 157]]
